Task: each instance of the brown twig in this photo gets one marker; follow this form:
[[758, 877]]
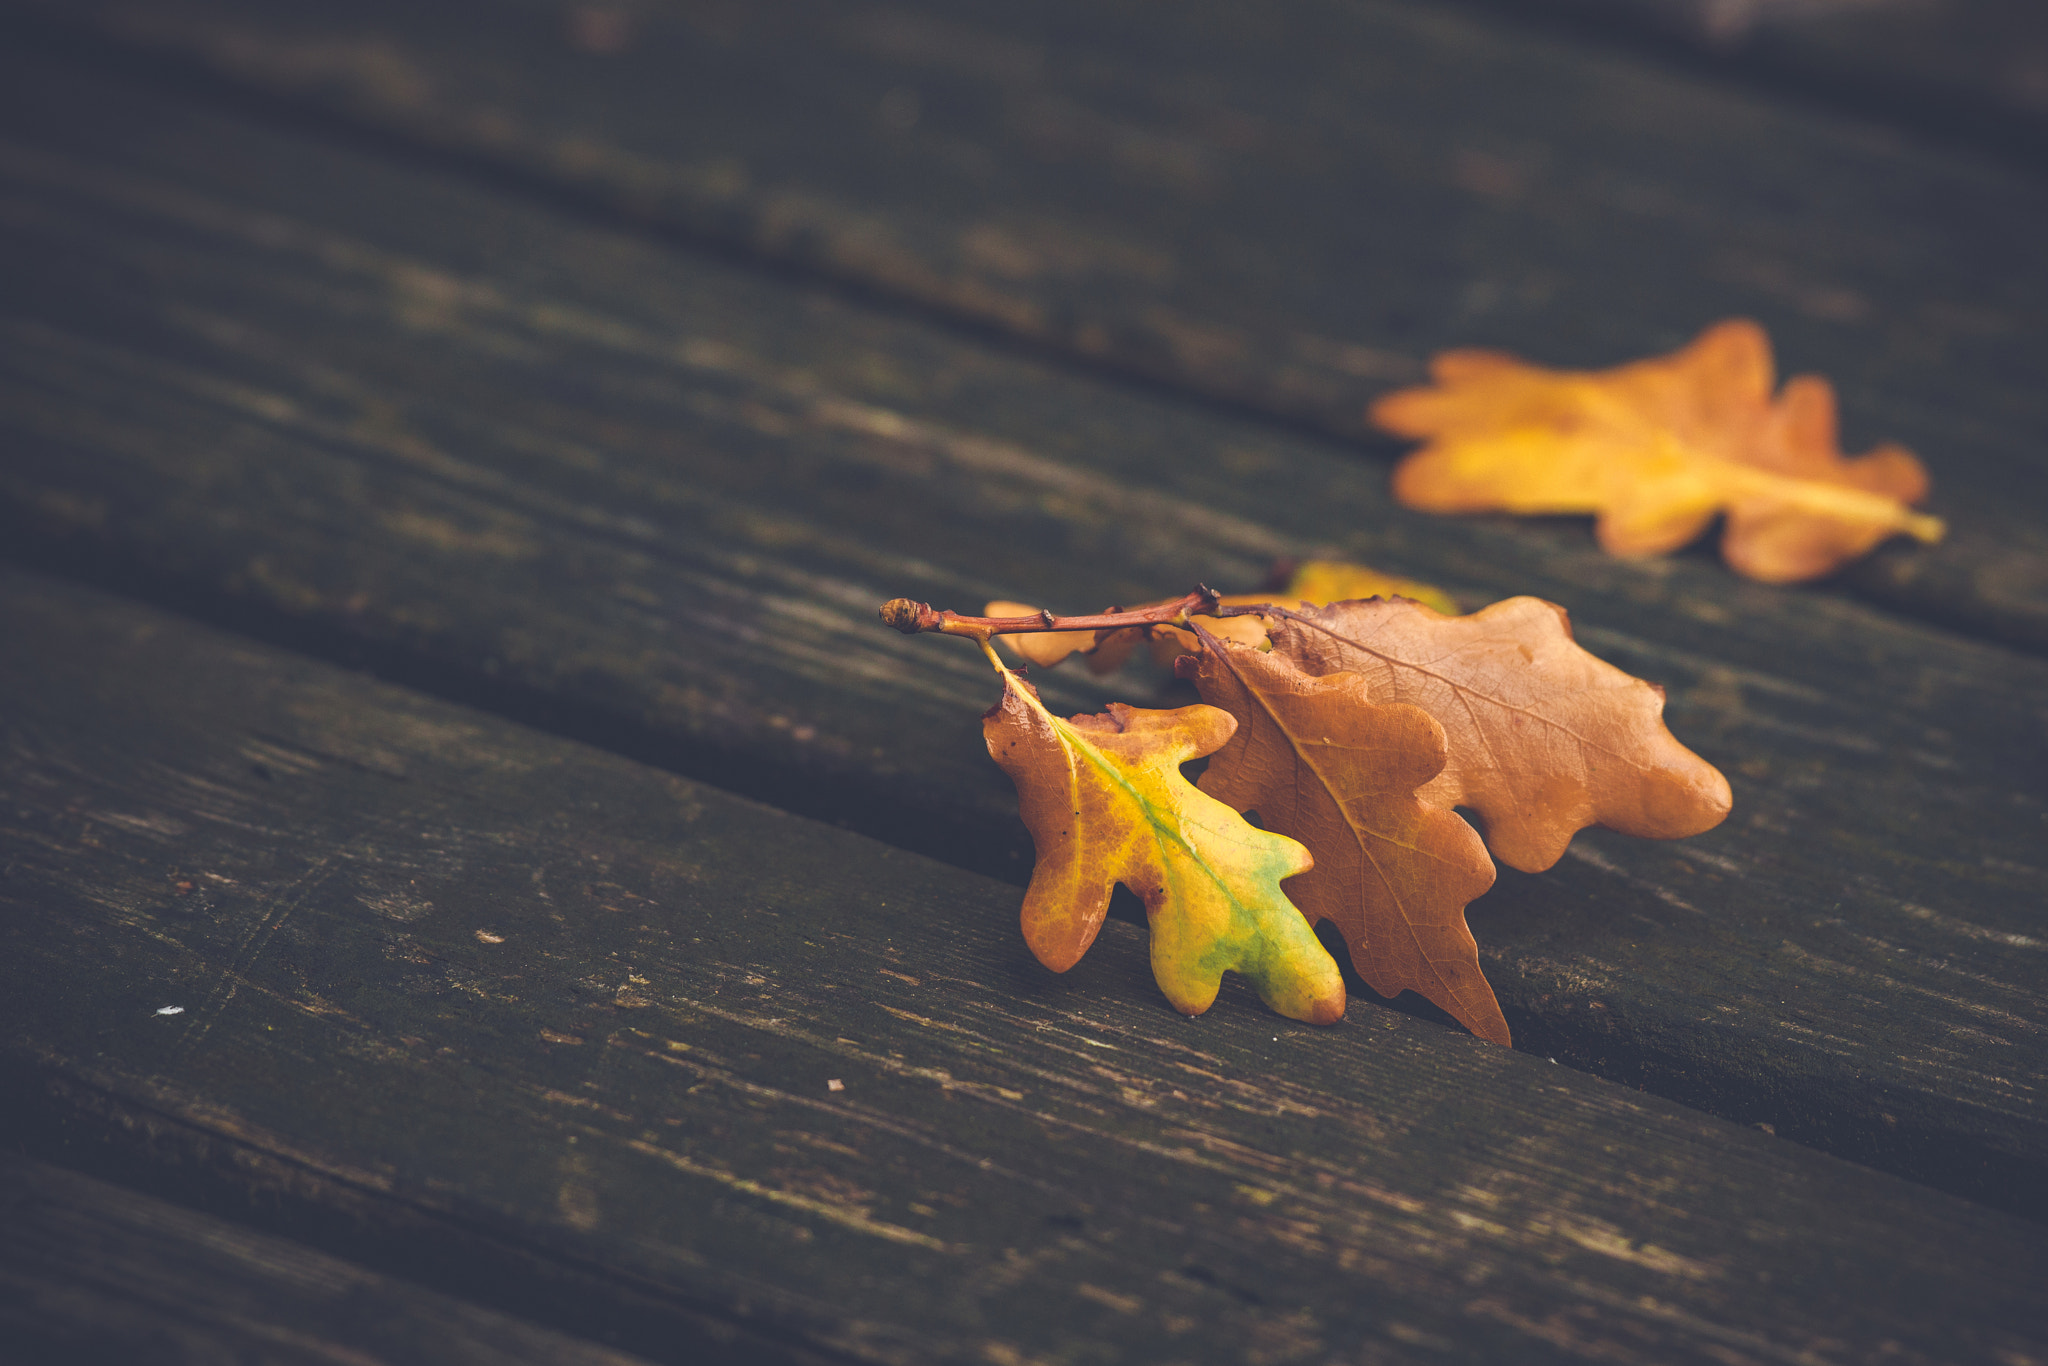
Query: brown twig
[[912, 617]]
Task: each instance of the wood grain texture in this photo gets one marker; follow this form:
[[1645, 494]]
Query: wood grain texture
[[451, 975], [1971, 71], [652, 502], [92, 1272], [1287, 206], [1975, 68], [1717, 24]]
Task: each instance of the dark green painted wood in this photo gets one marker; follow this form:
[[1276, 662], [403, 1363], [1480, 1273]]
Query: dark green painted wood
[[443, 972], [1285, 205], [651, 502], [91, 1272]]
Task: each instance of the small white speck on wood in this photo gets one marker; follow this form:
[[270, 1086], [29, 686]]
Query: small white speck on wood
[[835, 1085]]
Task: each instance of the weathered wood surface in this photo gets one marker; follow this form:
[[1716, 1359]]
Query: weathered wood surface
[[1975, 71], [1971, 68], [1286, 205], [91, 1272], [459, 983], [651, 502]]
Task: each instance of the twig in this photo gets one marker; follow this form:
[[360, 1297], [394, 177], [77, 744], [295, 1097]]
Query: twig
[[912, 617]]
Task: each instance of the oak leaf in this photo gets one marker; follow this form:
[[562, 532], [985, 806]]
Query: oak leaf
[[1106, 802], [1656, 449], [1318, 760], [1544, 738], [1311, 584]]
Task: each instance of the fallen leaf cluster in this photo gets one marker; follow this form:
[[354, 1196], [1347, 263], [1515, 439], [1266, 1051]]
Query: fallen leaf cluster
[[1656, 450], [1352, 730]]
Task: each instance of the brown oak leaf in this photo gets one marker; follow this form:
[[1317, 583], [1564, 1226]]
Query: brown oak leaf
[[1545, 738], [1656, 450], [1319, 761]]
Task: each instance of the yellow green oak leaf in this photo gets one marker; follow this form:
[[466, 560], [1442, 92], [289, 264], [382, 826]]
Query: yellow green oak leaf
[[1106, 802]]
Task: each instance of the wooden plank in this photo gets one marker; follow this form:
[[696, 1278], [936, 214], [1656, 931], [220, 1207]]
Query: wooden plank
[[1286, 206], [334, 944], [92, 1272], [1975, 71], [652, 501], [1714, 24], [1974, 67]]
